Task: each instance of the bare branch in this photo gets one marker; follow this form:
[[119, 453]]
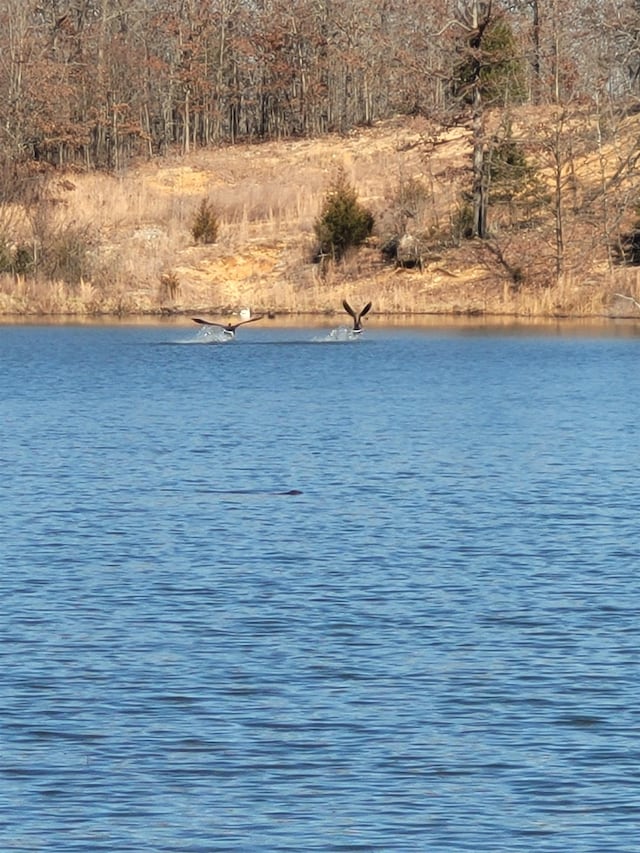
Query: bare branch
[[630, 298], [453, 23]]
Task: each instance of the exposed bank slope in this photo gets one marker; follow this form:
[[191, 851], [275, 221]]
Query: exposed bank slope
[[143, 257]]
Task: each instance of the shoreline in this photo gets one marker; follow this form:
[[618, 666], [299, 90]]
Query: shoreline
[[319, 319]]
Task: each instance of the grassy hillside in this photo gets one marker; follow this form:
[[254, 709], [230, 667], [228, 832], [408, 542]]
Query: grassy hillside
[[134, 231]]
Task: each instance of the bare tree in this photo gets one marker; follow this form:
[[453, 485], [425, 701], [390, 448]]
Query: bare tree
[[100, 80], [472, 20]]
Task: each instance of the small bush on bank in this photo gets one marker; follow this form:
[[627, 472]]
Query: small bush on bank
[[514, 184], [403, 219], [23, 261], [627, 248], [462, 220], [206, 225], [410, 201], [627, 251], [343, 222], [65, 254], [169, 286], [16, 259]]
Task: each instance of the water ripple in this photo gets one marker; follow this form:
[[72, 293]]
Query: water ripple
[[432, 647]]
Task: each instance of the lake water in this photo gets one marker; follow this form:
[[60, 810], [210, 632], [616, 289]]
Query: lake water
[[435, 646]]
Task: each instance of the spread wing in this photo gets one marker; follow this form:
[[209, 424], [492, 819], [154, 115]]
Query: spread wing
[[250, 320], [366, 309], [348, 308], [207, 322]]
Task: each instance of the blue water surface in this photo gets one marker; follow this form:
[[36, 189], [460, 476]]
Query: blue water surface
[[433, 643]]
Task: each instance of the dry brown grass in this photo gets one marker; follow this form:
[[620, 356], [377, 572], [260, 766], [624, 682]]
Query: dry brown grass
[[267, 197]]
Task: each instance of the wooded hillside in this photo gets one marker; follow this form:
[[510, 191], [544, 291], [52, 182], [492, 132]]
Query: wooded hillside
[[539, 190], [94, 82]]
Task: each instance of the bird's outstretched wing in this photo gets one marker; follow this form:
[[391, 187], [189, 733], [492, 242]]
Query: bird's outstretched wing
[[348, 308], [250, 320], [366, 309], [207, 322]]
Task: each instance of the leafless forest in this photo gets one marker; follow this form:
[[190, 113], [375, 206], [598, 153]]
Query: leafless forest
[[96, 81], [99, 85]]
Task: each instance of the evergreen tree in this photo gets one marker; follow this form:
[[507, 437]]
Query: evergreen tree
[[343, 222], [496, 65]]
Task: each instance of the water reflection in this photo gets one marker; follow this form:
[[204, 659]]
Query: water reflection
[[587, 326]]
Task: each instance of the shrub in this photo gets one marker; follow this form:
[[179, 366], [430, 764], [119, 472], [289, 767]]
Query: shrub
[[402, 226], [508, 166], [169, 286], [512, 179], [462, 220], [16, 259], [343, 222], [627, 249], [205, 226], [23, 260], [65, 254], [411, 198]]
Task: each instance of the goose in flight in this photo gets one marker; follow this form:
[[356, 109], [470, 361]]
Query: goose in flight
[[357, 318], [229, 329]]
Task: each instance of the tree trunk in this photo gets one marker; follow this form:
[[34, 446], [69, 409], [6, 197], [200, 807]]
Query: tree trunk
[[479, 228], [479, 193], [559, 200]]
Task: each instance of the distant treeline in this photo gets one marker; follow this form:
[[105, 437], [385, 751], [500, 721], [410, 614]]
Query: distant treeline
[[96, 82]]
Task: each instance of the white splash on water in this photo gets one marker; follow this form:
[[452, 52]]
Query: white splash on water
[[341, 334], [212, 335]]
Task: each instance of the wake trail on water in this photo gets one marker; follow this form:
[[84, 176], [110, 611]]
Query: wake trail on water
[[206, 336]]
